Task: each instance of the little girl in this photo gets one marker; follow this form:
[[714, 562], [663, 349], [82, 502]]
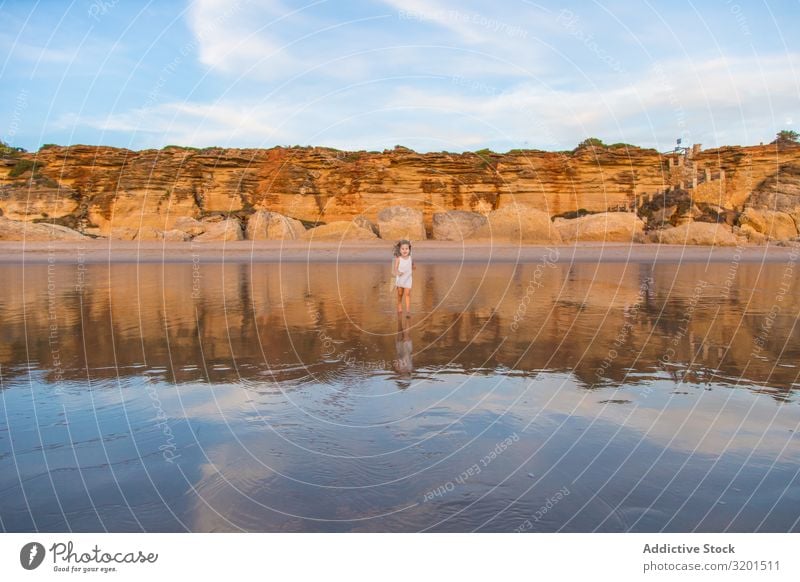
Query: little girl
[[402, 269]]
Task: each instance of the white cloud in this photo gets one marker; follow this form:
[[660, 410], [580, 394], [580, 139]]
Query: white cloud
[[228, 37], [17, 49], [190, 124], [692, 97]]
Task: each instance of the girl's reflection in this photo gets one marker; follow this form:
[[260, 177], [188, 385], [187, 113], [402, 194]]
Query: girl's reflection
[[403, 364]]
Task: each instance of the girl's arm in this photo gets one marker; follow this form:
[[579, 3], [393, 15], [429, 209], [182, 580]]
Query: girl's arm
[[394, 266]]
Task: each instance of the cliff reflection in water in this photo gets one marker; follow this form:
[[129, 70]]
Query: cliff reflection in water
[[291, 397], [603, 323]]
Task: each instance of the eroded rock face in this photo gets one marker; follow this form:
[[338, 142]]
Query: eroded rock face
[[175, 235], [339, 231], [365, 222], [603, 227], [122, 233], [772, 224], [149, 233], [695, 233], [400, 222], [517, 223], [264, 225], [97, 189], [456, 224], [189, 225], [222, 230], [780, 191], [21, 230]]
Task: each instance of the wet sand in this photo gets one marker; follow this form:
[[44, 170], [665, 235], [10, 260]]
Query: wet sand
[[100, 251]]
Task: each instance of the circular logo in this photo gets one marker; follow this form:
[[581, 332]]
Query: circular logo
[[31, 555]]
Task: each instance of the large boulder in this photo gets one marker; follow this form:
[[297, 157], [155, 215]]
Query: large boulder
[[149, 233], [399, 222], [266, 225], [772, 224], [189, 225], [365, 222], [605, 227], [695, 233], [780, 191], [456, 224], [175, 235], [339, 230], [518, 223], [21, 230], [750, 234], [221, 230], [122, 233], [661, 217]]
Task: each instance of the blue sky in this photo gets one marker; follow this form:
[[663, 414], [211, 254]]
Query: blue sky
[[430, 75]]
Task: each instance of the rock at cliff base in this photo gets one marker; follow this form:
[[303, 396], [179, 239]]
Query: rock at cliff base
[[339, 230], [750, 234], [224, 230], [189, 225], [399, 222], [175, 235], [149, 233], [518, 223], [456, 224], [365, 222], [267, 225], [772, 224], [661, 217], [22, 230], [695, 233], [602, 227], [122, 233]]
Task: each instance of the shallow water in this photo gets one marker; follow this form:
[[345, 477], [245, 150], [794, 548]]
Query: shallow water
[[291, 397]]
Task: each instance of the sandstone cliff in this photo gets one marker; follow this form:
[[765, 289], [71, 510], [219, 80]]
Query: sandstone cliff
[[96, 189]]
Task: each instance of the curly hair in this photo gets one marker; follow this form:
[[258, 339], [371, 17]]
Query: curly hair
[[399, 244]]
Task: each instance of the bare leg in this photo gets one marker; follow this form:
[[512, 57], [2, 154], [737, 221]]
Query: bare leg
[[399, 299], [408, 300]]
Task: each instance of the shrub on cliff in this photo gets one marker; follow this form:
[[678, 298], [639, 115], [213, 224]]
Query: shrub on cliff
[[591, 142], [21, 167], [7, 150], [787, 136]]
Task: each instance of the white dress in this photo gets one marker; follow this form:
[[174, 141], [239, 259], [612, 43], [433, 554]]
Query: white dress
[[404, 273]]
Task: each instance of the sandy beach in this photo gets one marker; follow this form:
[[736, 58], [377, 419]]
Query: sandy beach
[[99, 251]]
